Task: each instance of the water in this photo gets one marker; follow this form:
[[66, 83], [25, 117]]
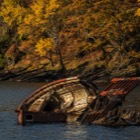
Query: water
[[11, 94]]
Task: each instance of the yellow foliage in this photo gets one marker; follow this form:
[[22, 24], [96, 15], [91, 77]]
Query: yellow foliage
[[37, 20], [27, 45], [52, 7], [138, 11], [42, 10], [44, 45], [12, 12], [134, 54]]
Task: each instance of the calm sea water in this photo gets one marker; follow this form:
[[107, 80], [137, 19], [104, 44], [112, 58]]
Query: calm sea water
[[12, 93]]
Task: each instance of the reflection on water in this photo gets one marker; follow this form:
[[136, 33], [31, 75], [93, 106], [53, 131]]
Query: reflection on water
[[11, 94], [77, 131]]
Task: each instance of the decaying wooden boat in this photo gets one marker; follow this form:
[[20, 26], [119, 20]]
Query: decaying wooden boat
[[60, 101], [72, 100]]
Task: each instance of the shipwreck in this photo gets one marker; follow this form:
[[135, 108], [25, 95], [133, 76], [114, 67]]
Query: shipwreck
[[75, 100]]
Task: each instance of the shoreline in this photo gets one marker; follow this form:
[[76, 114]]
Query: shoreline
[[41, 75]]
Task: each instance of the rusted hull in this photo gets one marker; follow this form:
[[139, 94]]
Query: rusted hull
[[25, 117], [70, 100], [109, 100]]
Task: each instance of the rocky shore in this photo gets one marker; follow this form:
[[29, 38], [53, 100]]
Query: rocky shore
[[41, 75]]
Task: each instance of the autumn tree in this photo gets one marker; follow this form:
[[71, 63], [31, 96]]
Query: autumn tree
[[77, 16], [13, 14], [4, 34], [138, 10], [59, 29], [114, 22], [45, 47], [43, 21]]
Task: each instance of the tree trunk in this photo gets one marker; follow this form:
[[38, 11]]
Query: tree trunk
[[51, 59], [58, 52]]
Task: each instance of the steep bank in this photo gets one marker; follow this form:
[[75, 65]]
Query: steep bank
[[43, 75]]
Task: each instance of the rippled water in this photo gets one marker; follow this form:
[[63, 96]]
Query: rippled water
[[11, 94]]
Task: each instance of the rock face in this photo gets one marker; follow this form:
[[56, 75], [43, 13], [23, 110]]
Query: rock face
[[37, 75]]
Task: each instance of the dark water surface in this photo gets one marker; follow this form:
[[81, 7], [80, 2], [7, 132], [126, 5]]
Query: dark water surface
[[11, 94]]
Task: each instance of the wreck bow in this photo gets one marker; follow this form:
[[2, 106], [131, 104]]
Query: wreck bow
[[59, 101]]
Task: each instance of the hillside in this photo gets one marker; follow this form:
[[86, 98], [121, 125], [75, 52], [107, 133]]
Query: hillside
[[63, 38]]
